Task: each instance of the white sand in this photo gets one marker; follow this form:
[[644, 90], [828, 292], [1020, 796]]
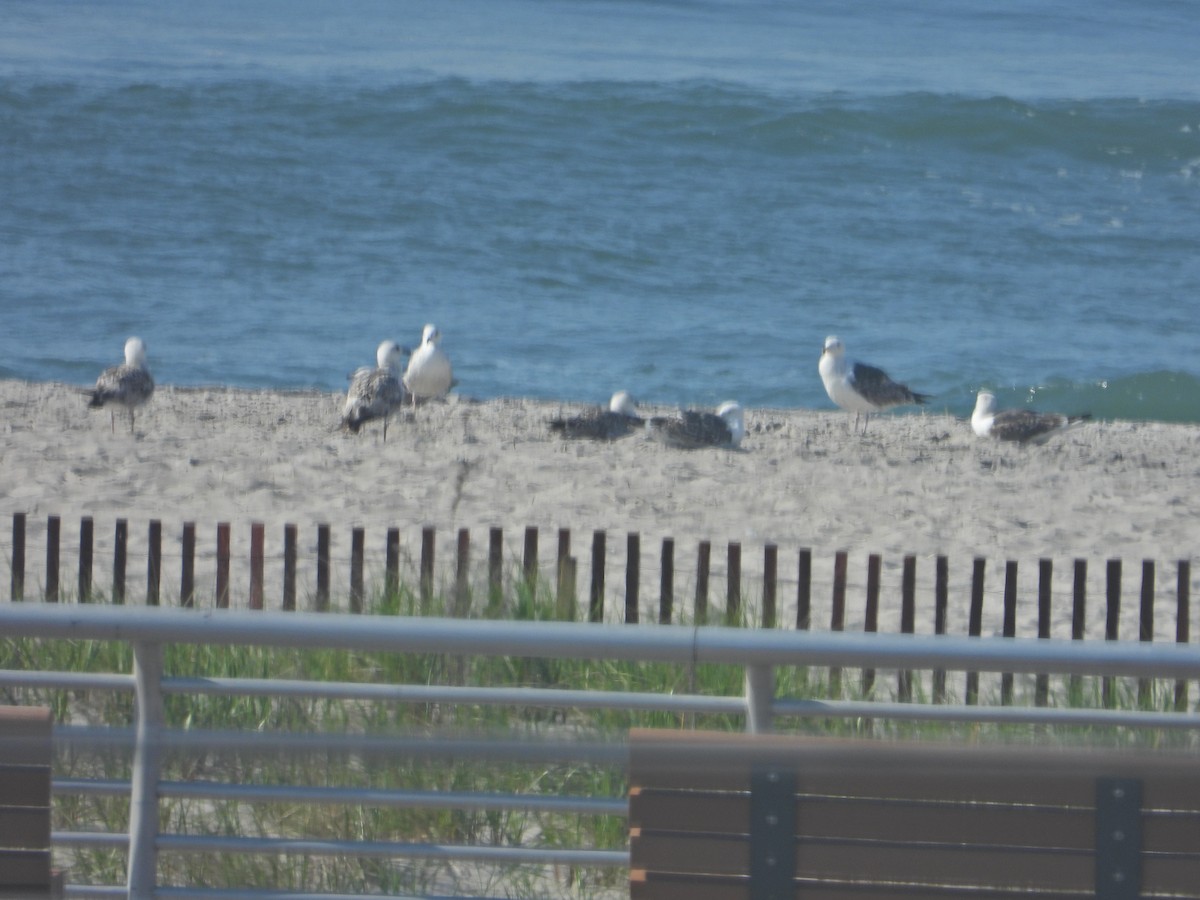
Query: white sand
[[919, 484]]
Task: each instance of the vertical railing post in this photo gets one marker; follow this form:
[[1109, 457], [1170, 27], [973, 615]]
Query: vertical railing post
[[760, 695], [142, 874]]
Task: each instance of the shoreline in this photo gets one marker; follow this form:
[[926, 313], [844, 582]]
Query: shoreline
[[915, 483]]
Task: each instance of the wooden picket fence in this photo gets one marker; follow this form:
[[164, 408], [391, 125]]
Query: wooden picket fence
[[458, 600]]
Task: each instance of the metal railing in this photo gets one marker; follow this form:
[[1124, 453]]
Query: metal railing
[[757, 652]]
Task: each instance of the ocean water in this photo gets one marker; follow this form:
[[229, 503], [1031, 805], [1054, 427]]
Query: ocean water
[[681, 199]]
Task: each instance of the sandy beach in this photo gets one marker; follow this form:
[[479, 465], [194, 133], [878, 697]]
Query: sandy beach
[[919, 484]]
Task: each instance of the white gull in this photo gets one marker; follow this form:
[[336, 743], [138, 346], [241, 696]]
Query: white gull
[[375, 392], [859, 388], [1020, 425], [128, 385], [428, 375]]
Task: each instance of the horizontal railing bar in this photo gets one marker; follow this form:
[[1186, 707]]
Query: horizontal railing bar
[[496, 749], [90, 839], [660, 643], [424, 693], [191, 893], [270, 793], [65, 681], [181, 843], [853, 709]]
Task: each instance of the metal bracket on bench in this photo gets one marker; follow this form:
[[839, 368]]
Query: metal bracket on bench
[[1118, 838], [772, 833]]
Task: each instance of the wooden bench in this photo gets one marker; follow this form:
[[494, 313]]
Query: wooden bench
[[25, 754], [723, 816]]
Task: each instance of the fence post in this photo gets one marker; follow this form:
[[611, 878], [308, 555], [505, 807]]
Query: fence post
[[1010, 625], [804, 590], [289, 567], [391, 563], [666, 588], [153, 562], [703, 558], [495, 569], [53, 529], [257, 539], [120, 550], [1183, 590], [941, 597], [760, 695], [770, 576], [1146, 624], [358, 538], [86, 534], [633, 572], [908, 621], [1112, 621], [975, 622], [596, 598], [837, 615], [428, 548], [187, 575], [871, 615], [322, 598], [530, 562], [1045, 571], [222, 565], [733, 585], [142, 873], [1078, 618], [18, 557], [462, 575], [564, 604]]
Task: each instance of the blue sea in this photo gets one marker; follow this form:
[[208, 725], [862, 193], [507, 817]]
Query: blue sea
[[677, 198]]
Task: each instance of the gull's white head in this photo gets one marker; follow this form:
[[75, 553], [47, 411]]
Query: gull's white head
[[623, 403], [833, 346], [388, 355], [430, 335], [731, 412], [135, 352]]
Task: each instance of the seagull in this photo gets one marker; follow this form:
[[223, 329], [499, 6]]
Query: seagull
[[1021, 425], [598, 424], [428, 375], [128, 385], [860, 388], [693, 429], [375, 392]]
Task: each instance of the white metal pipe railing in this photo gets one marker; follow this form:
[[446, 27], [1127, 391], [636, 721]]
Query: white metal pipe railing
[[757, 652]]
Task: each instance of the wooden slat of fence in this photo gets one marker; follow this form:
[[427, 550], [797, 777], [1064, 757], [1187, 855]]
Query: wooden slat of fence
[[975, 621], [289, 567], [322, 597], [1041, 693], [153, 562], [565, 608], [633, 574], [86, 546], [804, 590], [428, 545], [462, 574], [120, 551], [53, 528], [837, 615], [908, 621], [1078, 621], [596, 595], [871, 617], [666, 590], [1146, 623], [529, 565], [941, 599], [358, 540], [703, 560], [1009, 625], [1112, 621], [391, 563], [257, 563], [187, 569], [770, 564], [733, 584], [495, 568], [223, 539], [17, 587], [1183, 588]]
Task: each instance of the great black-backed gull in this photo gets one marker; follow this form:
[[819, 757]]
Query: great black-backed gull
[[1021, 425], [428, 375], [859, 388], [375, 392], [693, 429], [128, 385], [599, 424]]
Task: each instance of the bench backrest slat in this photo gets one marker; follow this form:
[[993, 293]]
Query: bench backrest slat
[[25, 757], [926, 819]]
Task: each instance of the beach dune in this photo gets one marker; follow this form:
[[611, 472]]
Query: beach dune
[[920, 484]]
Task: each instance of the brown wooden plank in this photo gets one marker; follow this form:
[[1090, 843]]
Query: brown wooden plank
[[25, 735], [1171, 876], [24, 867], [659, 886], [1171, 833], [24, 827], [696, 853], [24, 785]]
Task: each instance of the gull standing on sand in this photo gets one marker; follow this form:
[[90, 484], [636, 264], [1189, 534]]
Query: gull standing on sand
[[1021, 425], [375, 393], [859, 388], [128, 385], [693, 429], [599, 424], [428, 376]]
